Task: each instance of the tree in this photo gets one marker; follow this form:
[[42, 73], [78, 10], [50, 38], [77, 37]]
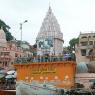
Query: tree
[[71, 47], [73, 42], [6, 30]]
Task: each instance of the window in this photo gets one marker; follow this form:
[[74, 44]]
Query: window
[[16, 55], [90, 42], [89, 36], [6, 53], [83, 37], [83, 52], [84, 43], [6, 63]]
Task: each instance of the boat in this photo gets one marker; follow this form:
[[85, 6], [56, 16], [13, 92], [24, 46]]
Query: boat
[[24, 88]]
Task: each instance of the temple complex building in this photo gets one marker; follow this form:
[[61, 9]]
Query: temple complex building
[[9, 51], [50, 38], [12, 50]]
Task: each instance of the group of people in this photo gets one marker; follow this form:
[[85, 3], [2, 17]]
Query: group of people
[[45, 58]]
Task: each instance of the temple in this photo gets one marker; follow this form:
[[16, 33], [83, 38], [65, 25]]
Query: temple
[[50, 38]]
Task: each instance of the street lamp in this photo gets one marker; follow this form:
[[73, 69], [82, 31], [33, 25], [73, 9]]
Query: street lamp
[[21, 27]]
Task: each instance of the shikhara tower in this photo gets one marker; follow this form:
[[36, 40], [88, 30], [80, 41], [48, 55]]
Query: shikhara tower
[[3, 41], [50, 38]]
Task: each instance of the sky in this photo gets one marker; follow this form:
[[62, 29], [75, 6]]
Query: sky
[[74, 16]]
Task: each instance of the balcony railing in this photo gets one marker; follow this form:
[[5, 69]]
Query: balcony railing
[[85, 47]]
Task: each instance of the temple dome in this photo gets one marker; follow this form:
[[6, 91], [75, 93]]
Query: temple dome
[[86, 67], [49, 25], [82, 68]]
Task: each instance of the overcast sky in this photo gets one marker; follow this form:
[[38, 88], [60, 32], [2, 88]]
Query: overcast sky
[[74, 16]]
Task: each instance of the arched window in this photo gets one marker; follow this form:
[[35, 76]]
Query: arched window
[[89, 36], [83, 37]]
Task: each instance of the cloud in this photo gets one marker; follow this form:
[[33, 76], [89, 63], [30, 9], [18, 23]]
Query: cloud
[[73, 16]]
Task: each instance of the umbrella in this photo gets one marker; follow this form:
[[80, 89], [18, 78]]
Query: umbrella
[[1, 76], [11, 72], [3, 71], [9, 76], [12, 75]]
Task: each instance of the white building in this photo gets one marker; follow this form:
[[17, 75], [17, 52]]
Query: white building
[[50, 38]]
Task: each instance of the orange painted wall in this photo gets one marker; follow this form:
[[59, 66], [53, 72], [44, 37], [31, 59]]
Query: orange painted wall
[[62, 73]]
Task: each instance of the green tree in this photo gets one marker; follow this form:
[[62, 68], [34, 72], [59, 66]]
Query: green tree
[[71, 47], [72, 43], [6, 30]]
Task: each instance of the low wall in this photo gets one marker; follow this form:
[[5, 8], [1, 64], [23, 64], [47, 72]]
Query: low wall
[[61, 74]]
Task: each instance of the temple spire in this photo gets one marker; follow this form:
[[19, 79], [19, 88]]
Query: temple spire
[[49, 10], [49, 30], [50, 23]]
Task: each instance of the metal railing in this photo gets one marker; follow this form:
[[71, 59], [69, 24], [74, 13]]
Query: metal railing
[[7, 86], [42, 59]]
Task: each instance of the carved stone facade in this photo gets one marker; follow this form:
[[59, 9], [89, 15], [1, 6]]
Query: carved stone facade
[[50, 38], [8, 51]]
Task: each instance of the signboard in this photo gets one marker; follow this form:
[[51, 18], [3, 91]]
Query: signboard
[[45, 43], [43, 69]]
